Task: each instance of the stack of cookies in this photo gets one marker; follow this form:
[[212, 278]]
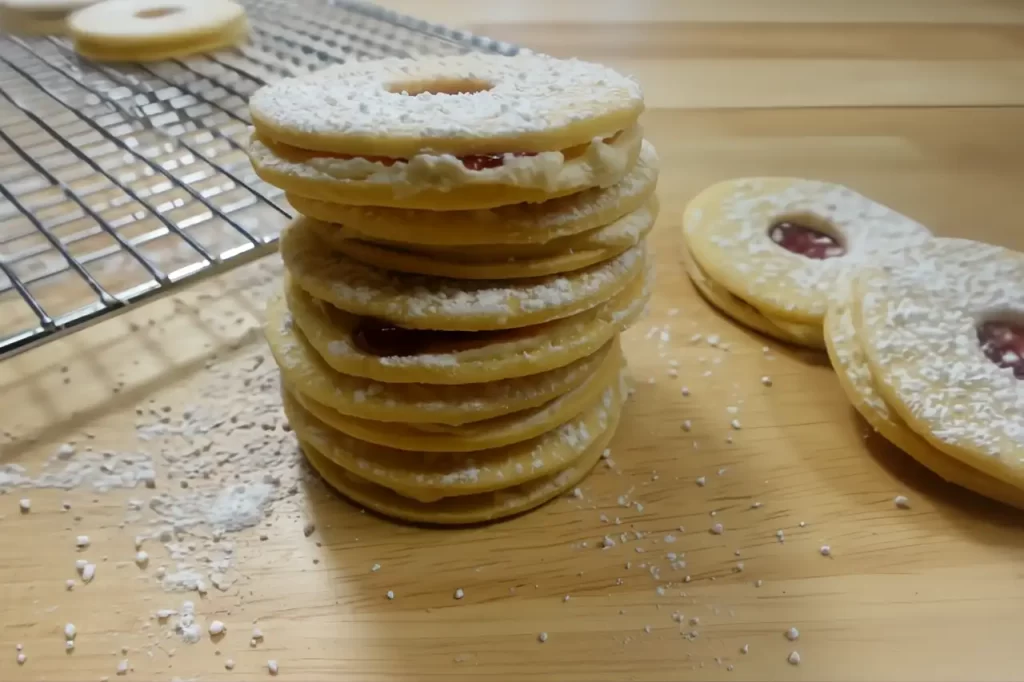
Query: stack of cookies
[[470, 246]]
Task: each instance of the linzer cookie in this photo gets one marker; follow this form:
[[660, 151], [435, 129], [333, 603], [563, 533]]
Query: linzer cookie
[[444, 474], [782, 244], [367, 347], [477, 435], [943, 334], [447, 133], [614, 239], [152, 30], [539, 229], [436, 303], [859, 384], [302, 367]]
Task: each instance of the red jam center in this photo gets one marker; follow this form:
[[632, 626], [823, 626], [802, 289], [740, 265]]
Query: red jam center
[[474, 162], [1003, 344], [383, 339], [805, 241]]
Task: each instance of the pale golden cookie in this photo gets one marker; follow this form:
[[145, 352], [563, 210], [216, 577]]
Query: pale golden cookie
[[471, 357], [445, 183], [421, 302], [922, 324], [468, 104], [859, 385], [482, 435], [741, 232], [303, 368], [38, 17], [528, 224], [746, 314], [428, 477], [150, 30], [404, 259]]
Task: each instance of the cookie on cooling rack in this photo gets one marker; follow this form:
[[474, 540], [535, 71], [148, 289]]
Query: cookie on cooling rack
[[783, 244], [447, 133], [943, 335], [151, 30], [38, 17]]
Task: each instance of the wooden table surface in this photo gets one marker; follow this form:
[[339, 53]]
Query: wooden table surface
[[916, 103]]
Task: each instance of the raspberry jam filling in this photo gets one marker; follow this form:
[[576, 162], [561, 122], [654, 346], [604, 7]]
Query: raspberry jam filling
[[473, 162], [1003, 344], [384, 339], [805, 241]]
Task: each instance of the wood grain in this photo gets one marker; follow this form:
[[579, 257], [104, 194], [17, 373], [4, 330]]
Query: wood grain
[[882, 96]]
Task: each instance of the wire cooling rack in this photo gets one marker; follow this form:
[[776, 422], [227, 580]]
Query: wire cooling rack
[[120, 183]]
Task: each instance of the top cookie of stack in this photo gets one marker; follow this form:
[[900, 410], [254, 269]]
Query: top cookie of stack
[[470, 248], [454, 133]]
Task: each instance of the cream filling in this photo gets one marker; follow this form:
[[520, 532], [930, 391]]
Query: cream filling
[[601, 163]]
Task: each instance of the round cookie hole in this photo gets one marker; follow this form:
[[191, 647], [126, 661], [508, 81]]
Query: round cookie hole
[[806, 236], [157, 12], [1002, 342], [449, 86]]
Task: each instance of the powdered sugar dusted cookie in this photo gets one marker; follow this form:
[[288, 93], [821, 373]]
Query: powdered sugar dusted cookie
[[782, 244], [38, 17], [516, 224], [434, 182], [464, 509], [150, 30], [635, 226], [421, 302], [943, 333], [473, 436], [434, 476], [469, 104], [304, 369], [858, 383], [365, 347], [746, 314], [447, 133]]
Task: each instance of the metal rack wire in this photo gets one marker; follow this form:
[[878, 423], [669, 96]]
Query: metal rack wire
[[121, 183]]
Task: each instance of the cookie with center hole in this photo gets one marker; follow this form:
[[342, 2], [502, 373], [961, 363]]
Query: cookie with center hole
[[465, 509], [303, 368], [441, 304], [539, 229], [782, 244], [859, 384], [358, 346], [481, 435], [943, 333], [429, 477], [153, 30], [405, 258], [447, 133]]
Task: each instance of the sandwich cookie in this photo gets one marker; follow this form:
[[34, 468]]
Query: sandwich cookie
[[943, 334], [365, 347], [303, 369], [152, 30], [423, 302], [429, 477], [782, 244], [619, 236], [480, 435], [858, 383], [447, 133]]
